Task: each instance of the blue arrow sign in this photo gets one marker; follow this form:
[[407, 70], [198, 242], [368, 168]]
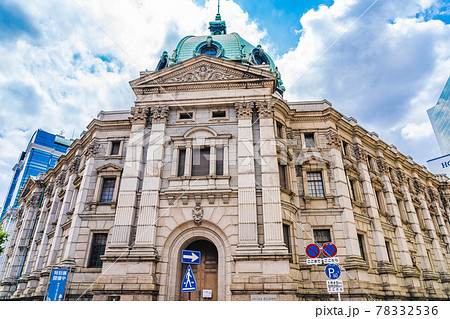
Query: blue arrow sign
[[190, 257], [189, 284], [333, 271], [57, 285]]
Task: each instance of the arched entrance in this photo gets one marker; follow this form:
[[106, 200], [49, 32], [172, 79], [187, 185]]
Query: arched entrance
[[205, 274]]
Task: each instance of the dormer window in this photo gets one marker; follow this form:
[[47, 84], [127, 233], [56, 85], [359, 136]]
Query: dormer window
[[209, 51], [259, 57], [209, 47]]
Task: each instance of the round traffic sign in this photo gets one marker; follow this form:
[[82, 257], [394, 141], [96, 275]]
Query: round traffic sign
[[333, 271], [312, 250], [329, 249]]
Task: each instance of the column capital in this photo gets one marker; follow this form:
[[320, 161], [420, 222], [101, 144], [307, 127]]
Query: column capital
[[160, 114], [265, 109], [244, 109], [382, 165], [49, 189], [360, 153], [333, 138], [401, 176], [60, 179], [74, 166], [139, 114], [91, 149]]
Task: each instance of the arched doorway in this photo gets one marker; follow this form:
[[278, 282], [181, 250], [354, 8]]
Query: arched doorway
[[205, 274]]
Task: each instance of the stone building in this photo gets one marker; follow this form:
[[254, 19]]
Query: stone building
[[212, 158]]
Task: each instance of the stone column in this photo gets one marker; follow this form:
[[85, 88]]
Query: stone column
[[226, 160], [132, 172], [415, 226], [271, 197], [61, 219], [175, 159], [212, 160], [371, 204], [436, 246], [248, 235], [69, 252], [149, 205], [353, 258], [8, 282]]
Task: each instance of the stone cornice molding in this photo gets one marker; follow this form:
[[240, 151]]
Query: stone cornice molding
[[160, 113], [265, 109], [139, 114], [244, 109]]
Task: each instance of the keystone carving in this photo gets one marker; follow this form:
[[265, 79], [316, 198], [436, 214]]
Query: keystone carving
[[139, 114], [244, 109], [197, 214], [160, 113], [265, 109]]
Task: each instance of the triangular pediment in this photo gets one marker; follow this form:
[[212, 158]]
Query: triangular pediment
[[202, 69]]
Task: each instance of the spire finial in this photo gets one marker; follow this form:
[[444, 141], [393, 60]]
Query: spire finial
[[218, 17]]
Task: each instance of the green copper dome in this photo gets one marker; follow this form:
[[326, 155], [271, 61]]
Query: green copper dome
[[229, 47]]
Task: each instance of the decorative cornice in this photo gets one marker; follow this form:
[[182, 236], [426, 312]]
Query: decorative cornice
[[265, 109], [244, 109], [139, 114], [160, 114]]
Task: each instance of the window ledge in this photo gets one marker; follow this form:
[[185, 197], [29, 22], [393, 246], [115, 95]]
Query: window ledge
[[114, 157]]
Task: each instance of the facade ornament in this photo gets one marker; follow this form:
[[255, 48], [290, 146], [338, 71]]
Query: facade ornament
[[359, 153], [382, 165], [60, 179], [333, 139], [34, 200], [265, 109], [139, 114], [400, 176], [160, 114], [289, 133], [418, 187], [197, 214], [244, 109], [205, 72], [49, 189], [91, 149], [75, 165]]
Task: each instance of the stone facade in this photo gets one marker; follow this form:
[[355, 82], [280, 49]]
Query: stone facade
[[279, 175]]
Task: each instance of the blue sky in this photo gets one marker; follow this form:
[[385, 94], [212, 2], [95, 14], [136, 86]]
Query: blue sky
[[65, 60]]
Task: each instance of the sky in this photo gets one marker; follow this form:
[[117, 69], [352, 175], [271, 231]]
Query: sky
[[381, 62]]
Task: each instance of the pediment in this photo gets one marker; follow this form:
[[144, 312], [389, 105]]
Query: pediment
[[109, 167], [202, 69]]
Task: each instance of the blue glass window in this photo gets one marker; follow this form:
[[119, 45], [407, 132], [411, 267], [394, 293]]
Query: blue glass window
[[209, 51]]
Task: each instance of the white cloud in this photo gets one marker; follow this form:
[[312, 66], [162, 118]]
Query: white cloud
[[414, 131]]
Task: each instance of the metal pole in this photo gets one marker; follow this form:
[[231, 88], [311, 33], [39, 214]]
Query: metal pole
[[339, 296]]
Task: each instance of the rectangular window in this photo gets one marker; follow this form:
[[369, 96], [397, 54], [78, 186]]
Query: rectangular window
[[279, 129], [322, 236], [219, 161], [315, 184], [309, 140], [286, 238], [97, 250], [344, 147], [380, 201], [108, 190], [181, 161], [430, 260], [362, 249], [353, 189], [115, 147], [200, 161], [219, 114], [282, 172], [186, 116], [389, 251]]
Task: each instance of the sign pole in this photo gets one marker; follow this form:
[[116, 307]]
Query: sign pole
[[339, 296]]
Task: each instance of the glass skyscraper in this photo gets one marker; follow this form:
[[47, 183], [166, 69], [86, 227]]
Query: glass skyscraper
[[41, 154], [440, 119]]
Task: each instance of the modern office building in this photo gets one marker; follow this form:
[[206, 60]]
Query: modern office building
[[440, 119], [212, 158], [41, 154]]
